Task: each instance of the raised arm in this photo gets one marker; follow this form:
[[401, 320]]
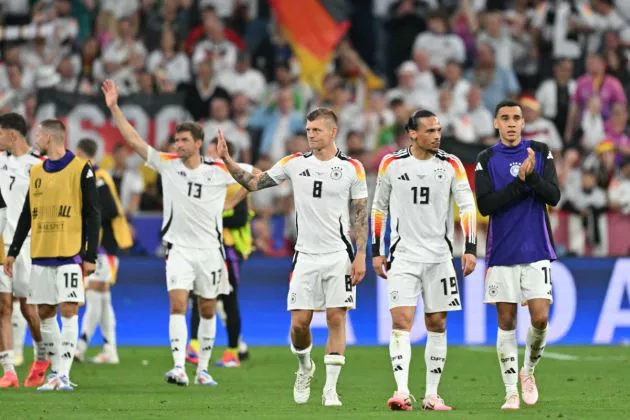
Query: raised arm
[[252, 182], [129, 133]]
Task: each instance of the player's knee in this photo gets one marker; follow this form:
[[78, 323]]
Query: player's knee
[[335, 319], [401, 323], [69, 309], [299, 328], [436, 325], [507, 321], [47, 311], [207, 309], [539, 321], [5, 310]]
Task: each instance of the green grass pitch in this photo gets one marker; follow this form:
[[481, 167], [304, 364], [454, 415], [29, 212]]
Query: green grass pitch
[[592, 383]]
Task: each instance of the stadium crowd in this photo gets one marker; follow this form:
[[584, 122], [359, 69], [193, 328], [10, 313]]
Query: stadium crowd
[[568, 62]]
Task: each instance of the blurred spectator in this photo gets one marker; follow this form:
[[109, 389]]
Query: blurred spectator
[[168, 62], [220, 120], [539, 128], [128, 180], [555, 94], [601, 163], [201, 90], [616, 129], [405, 22], [619, 192], [277, 125], [458, 86], [168, 16], [592, 124], [497, 83], [440, 45], [284, 79], [479, 119], [244, 79], [215, 45]]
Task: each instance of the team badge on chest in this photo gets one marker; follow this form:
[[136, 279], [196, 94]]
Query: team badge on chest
[[514, 168], [336, 173], [440, 174]]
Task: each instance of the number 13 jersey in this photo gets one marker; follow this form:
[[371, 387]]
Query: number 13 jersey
[[322, 191], [419, 195], [193, 200]]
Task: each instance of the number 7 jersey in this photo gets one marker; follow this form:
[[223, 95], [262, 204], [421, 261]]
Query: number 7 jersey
[[322, 191], [419, 195]]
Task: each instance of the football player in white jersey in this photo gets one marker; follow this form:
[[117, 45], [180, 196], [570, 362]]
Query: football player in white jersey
[[418, 187], [330, 195], [194, 191], [14, 184]]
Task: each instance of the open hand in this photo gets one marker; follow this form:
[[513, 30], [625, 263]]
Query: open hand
[[111, 93]]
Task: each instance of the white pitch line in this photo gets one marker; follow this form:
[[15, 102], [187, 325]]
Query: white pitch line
[[557, 356]]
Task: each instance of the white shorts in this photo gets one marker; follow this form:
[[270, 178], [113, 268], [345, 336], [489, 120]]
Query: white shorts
[[106, 269], [437, 282], [201, 270], [19, 284], [55, 285], [519, 283], [320, 281]]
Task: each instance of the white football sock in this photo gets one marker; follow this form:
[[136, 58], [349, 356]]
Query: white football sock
[[206, 333], [6, 360], [534, 349], [51, 339], [507, 351], [400, 355], [178, 333], [334, 363], [434, 358], [19, 329], [108, 323], [39, 350], [91, 318], [304, 358], [69, 337]]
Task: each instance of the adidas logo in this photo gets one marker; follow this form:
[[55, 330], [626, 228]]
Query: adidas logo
[[174, 349], [404, 177], [437, 370], [510, 371], [455, 302], [66, 355], [305, 173], [398, 368], [349, 300], [206, 348], [73, 294], [478, 167]]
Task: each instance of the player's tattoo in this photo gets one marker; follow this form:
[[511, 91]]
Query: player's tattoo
[[359, 222], [252, 182]]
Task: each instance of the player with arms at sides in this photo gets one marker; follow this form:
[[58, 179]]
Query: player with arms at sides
[[62, 207], [115, 234], [515, 180], [194, 191], [418, 186], [330, 195], [14, 181]]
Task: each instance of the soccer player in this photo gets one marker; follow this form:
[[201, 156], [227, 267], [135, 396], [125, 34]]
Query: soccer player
[[194, 192], [515, 180], [14, 181], [62, 207], [330, 196], [418, 187], [115, 234]]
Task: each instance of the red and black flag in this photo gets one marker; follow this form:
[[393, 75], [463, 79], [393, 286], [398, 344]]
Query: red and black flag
[[313, 28]]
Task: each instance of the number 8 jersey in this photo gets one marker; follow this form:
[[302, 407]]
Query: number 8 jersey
[[322, 191], [193, 200], [419, 194]]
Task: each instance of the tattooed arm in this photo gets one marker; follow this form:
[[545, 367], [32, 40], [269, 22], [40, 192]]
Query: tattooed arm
[[359, 222], [252, 182]]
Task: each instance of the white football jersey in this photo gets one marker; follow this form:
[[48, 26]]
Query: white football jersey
[[14, 183], [193, 200], [419, 196], [322, 191]]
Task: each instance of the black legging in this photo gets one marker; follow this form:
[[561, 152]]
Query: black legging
[[230, 302]]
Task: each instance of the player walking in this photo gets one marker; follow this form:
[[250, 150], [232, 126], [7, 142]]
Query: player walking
[[14, 181], [62, 208], [330, 196], [194, 192], [514, 182], [418, 187]]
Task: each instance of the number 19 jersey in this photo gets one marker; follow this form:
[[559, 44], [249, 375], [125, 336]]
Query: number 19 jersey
[[322, 191], [419, 195]]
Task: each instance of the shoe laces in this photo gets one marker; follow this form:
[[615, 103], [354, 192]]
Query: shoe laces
[[303, 380], [529, 382]]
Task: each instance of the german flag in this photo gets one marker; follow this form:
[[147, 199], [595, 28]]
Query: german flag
[[313, 28]]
